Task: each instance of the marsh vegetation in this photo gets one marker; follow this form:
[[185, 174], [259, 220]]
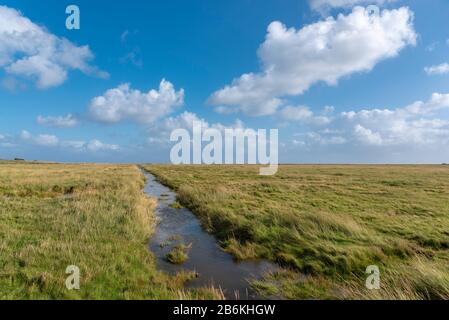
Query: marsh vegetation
[[323, 224], [93, 216], [326, 224]]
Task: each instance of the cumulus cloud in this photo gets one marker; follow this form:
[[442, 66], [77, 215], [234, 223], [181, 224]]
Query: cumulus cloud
[[420, 123], [367, 136], [304, 114], [322, 5], [294, 60], [126, 104], [68, 121], [29, 50], [160, 132], [438, 69]]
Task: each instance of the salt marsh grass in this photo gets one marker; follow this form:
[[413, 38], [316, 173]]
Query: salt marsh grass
[[93, 216], [326, 224]]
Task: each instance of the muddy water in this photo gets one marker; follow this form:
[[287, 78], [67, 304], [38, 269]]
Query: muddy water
[[213, 265]]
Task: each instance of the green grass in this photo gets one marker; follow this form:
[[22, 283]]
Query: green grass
[[326, 224], [323, 224], [178, 255], [93, 216]]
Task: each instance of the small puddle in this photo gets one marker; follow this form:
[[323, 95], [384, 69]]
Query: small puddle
[[214, 266]]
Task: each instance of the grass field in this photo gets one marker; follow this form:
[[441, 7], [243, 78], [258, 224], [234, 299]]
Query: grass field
[[323, 224], [326, 224], [93, 216]]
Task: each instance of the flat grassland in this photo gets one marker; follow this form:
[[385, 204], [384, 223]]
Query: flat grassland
[[93, 216], [327, 224]]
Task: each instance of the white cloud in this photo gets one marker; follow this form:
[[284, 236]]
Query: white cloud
[[29, 50], [420, 123], [294, 60], [322, 5], [367, 136], [126, 104], [304, 114], [46, 140], [296, 113], [437, 102], [160, 132], [96, 145], [438, 69], [322, 138], [67, 121], [298, 142], [184, 120], [90, 146]]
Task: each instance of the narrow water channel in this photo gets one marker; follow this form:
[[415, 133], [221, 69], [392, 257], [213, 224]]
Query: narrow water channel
[[213, 265]]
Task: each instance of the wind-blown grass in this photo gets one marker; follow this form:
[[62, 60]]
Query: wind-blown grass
[[93, 216], [326, 224]]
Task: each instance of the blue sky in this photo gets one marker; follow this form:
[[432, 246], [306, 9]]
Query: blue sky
[[339, 84]]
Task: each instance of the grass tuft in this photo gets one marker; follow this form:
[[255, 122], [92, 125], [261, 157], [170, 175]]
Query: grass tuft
[[178, 255]]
